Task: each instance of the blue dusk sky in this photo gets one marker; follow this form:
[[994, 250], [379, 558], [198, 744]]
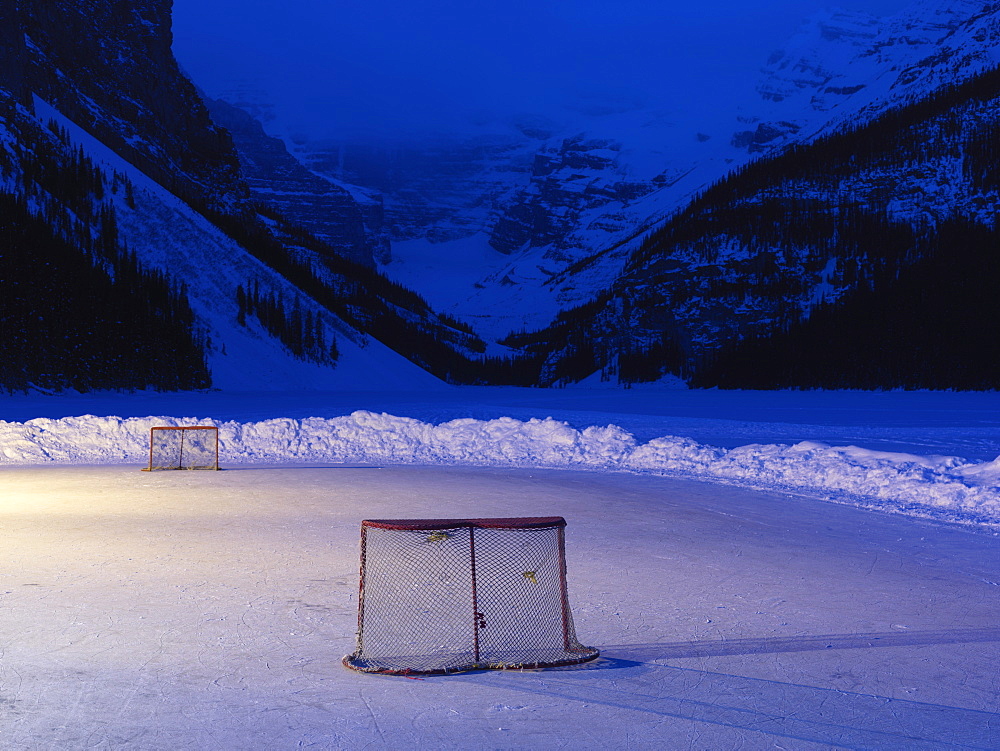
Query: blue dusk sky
[[334, 66]]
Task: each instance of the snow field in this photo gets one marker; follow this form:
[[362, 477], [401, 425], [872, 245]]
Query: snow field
[[941, 487]]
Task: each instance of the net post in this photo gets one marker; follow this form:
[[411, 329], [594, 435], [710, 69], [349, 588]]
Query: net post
[[563, 587], [476, 616], [361, 587]]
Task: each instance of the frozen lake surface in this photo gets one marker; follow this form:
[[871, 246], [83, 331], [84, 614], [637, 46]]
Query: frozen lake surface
[[735, 605], [207, 610], [917, 453]]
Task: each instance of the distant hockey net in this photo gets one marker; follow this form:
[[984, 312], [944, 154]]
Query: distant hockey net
[[446, 595], [194, 447]]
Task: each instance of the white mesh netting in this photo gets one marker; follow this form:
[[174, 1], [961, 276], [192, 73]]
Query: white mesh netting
[[184, 448], [441, 596]]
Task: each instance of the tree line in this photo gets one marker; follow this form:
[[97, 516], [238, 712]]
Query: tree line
[[77, 310], [934, 325], [725, 292], [301, 332]]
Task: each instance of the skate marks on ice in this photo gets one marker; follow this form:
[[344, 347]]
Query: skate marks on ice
[[624, 678], [665, 651], [211, 610]]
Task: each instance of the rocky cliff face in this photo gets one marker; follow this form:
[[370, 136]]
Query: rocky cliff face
[[440, 188], [844, 67], [279, 180], [13, 56], [109, 67], [568, 178], [117, 184]]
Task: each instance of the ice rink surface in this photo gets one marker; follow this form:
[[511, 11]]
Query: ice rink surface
[[210, 610]]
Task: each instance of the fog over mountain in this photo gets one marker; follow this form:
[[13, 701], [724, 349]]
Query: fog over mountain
[[506, 165], [388, 68]]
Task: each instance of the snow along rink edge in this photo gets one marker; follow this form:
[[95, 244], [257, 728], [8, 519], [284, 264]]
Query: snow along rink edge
[[944, 488]]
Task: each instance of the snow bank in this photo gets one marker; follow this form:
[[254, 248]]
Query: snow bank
[[940, 487]]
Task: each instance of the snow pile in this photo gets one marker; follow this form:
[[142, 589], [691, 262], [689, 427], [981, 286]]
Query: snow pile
[[936, 486], [945, 487]]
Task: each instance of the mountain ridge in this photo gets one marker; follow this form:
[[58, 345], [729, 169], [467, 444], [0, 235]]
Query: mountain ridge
[[814, 228], [567, 230], [273, 306]]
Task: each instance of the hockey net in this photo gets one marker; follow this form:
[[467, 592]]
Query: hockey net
[[195, 447], [446, 595]]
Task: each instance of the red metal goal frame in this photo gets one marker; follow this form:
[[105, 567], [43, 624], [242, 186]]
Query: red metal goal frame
[[534, 522], [184, 428]]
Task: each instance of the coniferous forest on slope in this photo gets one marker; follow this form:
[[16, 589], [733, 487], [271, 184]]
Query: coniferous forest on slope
[[935, 325], [923, 311], [72, 321], [78, 309], [743, 320]]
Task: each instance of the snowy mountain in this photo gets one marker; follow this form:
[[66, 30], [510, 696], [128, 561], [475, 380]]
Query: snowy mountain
[[840, 71], [114, 172], [277, 179], [678, 235], [595, 189], [864, 164], [540, 192], [859, 260], [563, 200], [845, 67]]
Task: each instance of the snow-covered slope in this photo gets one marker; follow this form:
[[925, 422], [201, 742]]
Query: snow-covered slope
[[278, 180], [167, 234], [113, 170], [845, 67]]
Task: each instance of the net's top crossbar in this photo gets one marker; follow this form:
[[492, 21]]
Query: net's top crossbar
[[518, 522], [186, 427]]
